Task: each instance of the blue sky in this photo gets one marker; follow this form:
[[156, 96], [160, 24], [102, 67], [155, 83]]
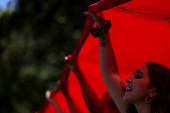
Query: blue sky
[[4, 3]]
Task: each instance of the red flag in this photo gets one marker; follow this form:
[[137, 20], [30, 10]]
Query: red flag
[[139, 34]]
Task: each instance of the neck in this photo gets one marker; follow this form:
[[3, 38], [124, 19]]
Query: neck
[[143, 107]]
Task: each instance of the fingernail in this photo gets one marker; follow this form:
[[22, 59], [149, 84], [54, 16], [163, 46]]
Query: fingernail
[[84, 13]]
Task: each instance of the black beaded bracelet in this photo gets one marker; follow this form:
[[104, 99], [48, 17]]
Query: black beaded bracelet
[[96, 31]]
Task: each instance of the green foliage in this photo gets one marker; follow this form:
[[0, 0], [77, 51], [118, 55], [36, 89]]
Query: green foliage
[[33, 42]]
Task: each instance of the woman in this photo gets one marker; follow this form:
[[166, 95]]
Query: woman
[[147, 91]]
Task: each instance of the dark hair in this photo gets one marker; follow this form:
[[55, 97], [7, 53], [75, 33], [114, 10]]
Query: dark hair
[[160, 79]]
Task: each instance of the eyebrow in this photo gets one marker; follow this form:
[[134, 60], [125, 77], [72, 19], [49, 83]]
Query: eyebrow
[[137, 71]]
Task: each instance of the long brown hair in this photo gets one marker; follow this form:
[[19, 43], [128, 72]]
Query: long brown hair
[[159, 78]]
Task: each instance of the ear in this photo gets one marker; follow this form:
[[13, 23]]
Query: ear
[[154, 92]]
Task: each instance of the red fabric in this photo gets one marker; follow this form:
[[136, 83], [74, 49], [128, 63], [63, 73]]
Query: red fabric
[[139, 34]]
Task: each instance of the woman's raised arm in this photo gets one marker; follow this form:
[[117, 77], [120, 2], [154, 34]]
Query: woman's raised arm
[[109, 67]]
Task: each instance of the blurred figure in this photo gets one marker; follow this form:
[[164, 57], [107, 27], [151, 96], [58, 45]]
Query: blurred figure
[[70, 102], [52, 101], [105, 105]]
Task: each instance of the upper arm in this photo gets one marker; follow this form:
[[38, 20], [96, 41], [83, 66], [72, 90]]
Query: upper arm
[[114, 87]]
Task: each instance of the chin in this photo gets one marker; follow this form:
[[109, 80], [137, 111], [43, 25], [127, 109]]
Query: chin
[[127, 99], [124, 98]]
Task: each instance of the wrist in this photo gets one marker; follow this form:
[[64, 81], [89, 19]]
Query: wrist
[[98, 31]]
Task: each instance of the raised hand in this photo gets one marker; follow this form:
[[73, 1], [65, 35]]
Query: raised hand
[[97, 17]]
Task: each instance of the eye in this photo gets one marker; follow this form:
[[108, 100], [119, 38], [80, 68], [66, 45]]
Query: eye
[[138, 76]]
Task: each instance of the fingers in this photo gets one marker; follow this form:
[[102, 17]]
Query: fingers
[[69, 59], [48, 94], [66, 58], [96, 17], [69, 63], [89, 13], [93, 15]]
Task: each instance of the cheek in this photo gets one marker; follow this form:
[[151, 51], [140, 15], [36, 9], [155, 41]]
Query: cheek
[[142, 86]]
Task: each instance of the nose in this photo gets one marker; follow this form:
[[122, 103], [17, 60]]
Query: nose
[[128, 80]]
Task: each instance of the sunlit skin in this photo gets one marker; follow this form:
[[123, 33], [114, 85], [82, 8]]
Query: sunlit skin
[[140, 83]]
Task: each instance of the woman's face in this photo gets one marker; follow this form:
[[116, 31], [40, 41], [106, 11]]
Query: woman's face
[[138, 86]]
